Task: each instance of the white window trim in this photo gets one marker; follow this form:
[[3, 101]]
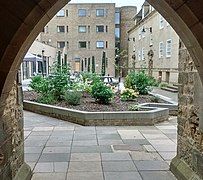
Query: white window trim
[[139, 55], [82, 27], [161, 51], [58, 29], [98, 46], [82, 15], [161, 22], [167, 51], [60, 14], [143, 54]]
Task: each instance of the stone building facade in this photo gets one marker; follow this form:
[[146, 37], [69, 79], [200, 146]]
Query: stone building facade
[[188, 164], [127, 14], [153, 45], [84, 31]]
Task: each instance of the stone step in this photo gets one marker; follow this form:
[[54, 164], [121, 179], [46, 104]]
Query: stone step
[[169, 89], [172, 87]]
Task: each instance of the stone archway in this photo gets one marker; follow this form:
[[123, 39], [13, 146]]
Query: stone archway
[[21, 21]]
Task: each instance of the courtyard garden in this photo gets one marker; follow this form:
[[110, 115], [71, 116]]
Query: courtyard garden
[[88, 92]]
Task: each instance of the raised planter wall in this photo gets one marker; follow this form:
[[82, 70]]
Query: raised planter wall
[[149, 115]]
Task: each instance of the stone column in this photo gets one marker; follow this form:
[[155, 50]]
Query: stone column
[[188, 164], [12, 164]]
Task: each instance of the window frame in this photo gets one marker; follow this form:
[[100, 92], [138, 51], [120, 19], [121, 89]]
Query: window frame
[[79, 44], [58, 29], [58, 42], [82, 15], [161, 22], [97, 27], [161, 49], [168, 46], [100, 47], [98, 14], [82, 26], [59, 15]]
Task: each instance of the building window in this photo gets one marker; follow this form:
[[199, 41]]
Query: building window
[[82, 44], [140, 33], [143, 58], [106, 28], [60, 44], [161, 22], [66, 13], [82, 29], [61, 13], [168, 47], [100, 12], [46, 29], [100, 28], [117, 32], [161, 49], [117, 18], [100, 44], [67, 29], [139, 55], [60, 29], [67, 44], [82, 12], [106, 44]]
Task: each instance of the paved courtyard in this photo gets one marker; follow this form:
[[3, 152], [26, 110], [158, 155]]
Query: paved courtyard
[[58, 150]]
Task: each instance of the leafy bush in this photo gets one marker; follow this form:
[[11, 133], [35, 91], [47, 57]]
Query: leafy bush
[[59, 81], [73, 97], [52, 87], [46, 99], [39, 84], [154, 99], [128, 94], [140, 81], [88, 76], [163, 84], [134, 108], [101, 92]]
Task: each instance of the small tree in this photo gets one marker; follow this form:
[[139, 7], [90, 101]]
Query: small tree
[[82, 65], [93, 64], [103, 70], [88, 65]]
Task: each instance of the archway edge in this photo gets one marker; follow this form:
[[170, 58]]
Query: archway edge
[[185, 23], [32, 24]]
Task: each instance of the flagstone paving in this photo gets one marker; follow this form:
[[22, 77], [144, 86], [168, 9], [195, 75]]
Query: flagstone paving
[[59, 150]]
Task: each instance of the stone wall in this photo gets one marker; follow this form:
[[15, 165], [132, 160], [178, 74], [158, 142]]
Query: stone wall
[[189, 160], [11, 137]]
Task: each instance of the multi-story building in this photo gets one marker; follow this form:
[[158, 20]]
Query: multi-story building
[[154, 45], [84, 31]]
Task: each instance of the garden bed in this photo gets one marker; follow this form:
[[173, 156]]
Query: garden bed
[[146, 115], [89, 104]]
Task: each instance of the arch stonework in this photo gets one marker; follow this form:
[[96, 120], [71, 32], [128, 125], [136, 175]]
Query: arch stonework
[[21, 21]]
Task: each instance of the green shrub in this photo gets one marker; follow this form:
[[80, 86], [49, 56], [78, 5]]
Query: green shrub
[[134, 108], [163, 84], [46, 99], [54, 86], [101, 93], [140, 81], [129, 94], [59, 81], [40, 85], [154, 99], [73, 97]]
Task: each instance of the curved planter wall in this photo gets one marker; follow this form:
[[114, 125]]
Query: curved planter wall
[[150, 115]]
